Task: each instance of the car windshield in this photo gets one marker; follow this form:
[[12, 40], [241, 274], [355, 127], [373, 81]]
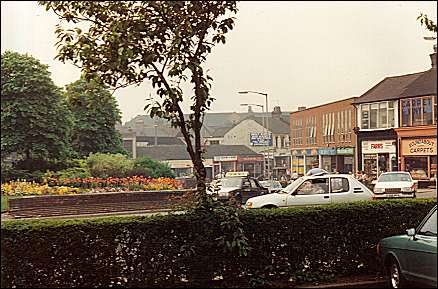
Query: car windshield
[[273, 184], [396, 177], [292, 186], [231, 182]]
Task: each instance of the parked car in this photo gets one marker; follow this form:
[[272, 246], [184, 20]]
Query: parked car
[[395, 185], [314, 190], [272, 185], [411, 258], [237, 185]]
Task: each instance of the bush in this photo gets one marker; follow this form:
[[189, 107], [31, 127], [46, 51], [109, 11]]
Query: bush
[[153, 168], [109, 165], [309, 243]]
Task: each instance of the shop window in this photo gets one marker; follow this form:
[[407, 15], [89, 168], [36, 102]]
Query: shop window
[[427, 111], [417, 166]]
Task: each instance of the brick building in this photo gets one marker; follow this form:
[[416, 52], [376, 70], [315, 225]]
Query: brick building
[[323, 135]]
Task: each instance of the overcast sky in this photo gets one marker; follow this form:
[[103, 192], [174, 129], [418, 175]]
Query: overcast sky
[[300, 53]]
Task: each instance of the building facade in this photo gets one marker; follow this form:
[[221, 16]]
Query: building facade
[[397, 125], [323, 136], [417, 133]]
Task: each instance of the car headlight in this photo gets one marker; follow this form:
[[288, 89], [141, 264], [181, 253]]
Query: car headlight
[[406, 189], [248, 205], [378, 190]]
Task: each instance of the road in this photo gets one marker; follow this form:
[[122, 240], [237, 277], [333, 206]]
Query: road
[[426, 193]]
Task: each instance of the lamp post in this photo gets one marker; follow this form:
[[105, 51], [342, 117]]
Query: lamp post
[[261, 106], [267, 121]]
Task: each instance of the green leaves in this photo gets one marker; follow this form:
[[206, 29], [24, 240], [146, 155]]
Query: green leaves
[[35, 121], [162, 41], [95, 113]]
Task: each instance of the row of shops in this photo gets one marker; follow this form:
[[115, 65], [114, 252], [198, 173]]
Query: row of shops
[[339, 160]]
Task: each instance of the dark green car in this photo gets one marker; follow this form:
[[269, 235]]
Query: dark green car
[[411, 258]]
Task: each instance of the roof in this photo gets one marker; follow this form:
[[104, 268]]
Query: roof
[[324, 104], [179, 152], [425, 84], [220, 131], [390, 88], [275, 125], [162, 140]]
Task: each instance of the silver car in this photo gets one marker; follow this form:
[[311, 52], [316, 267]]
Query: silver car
[[314, 190]]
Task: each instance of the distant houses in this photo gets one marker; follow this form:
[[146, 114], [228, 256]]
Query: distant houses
[[392, 126]]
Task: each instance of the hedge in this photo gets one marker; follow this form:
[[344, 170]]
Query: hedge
[[183, 250]]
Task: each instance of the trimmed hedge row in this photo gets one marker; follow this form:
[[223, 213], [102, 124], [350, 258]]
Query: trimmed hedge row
[[185, 250]]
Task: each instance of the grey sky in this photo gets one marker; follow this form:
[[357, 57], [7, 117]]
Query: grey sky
[[300, 53]]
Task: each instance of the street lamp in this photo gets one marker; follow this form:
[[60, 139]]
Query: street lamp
[[267, 121]]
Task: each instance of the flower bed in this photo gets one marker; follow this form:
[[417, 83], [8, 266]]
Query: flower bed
[[87, 185]]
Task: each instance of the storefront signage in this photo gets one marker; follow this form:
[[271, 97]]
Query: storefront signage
[[344, 151], [250, 158], [419, 146], [225, 158], [327, 151], [383, 146]]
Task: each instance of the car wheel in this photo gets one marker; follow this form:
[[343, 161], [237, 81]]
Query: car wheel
[[393, 274]]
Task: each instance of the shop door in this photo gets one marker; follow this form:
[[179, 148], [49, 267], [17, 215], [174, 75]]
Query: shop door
[[383, 164]]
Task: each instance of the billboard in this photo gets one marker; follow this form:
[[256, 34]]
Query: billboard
[[260, 139]]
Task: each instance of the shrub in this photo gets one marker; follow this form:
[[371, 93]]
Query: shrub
[[153, 168], [178, 250], [109, 165]]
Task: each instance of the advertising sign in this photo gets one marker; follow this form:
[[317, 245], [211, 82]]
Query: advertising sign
[[260, 139], [344, 151], [327, 152], [250, 158], [419, 146], [225, 158], [382, 146]]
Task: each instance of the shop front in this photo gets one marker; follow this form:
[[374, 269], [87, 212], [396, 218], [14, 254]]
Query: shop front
[[297, 162], [311, 159], [379, 156], [418, 156], [225, 164], [251, 164], [327, 159], [345, 160]]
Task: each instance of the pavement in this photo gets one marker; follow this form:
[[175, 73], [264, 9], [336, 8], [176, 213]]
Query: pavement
[[350, 282]]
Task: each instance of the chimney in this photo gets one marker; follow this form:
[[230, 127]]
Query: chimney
[[301, 108], [433, 57], [250, 109], [276, 113]]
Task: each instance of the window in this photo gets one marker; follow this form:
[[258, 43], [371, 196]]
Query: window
[[253, 183], [365, 115], [427, 111], [416, 112], [373, 115], [214, 142], [435, 109], [339, 185], [383, 115], [313, 187], [430, 226]]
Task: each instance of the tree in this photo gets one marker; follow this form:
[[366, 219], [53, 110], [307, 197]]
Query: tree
[[424, 20], [166, 42], [35, 120], [154, 169], [95, 114]]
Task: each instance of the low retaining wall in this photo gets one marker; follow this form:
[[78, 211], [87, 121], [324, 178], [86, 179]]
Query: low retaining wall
[[92, 203]]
